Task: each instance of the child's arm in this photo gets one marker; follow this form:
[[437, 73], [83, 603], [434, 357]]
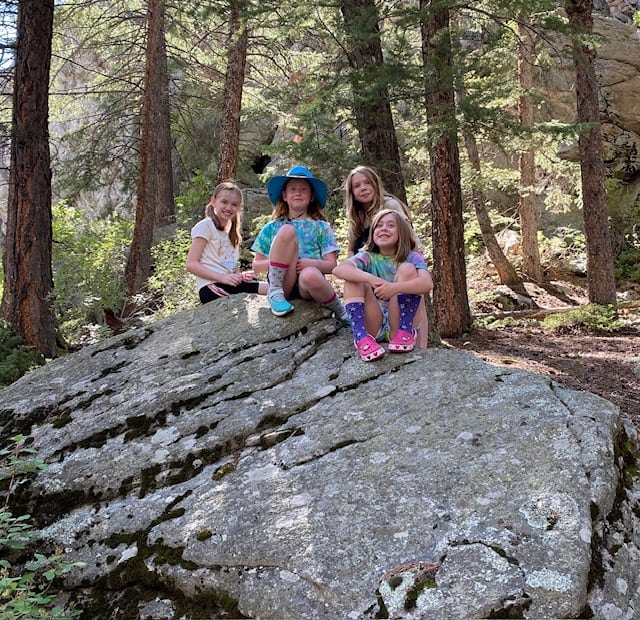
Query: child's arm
[[419, 285], [346, 270], [260, 263], [325, 265]]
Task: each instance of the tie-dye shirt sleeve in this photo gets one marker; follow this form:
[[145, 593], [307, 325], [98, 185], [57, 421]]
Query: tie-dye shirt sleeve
[[417, 259]]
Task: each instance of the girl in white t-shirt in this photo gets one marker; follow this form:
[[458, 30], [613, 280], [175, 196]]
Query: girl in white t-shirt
[[215, 248]]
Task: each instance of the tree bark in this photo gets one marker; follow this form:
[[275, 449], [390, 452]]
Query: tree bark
[[600, 275], [531, 264], [451, 303], [372, 107], [154, 204], [506, 271], [28, 278], [232, 97]]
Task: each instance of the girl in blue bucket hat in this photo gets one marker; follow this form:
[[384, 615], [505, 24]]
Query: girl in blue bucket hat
[[298, 247]]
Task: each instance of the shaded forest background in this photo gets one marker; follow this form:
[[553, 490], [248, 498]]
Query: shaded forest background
[[144, 106]]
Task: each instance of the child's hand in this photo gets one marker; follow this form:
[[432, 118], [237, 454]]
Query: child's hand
[[248, 276], [384, 289], [303, 263], [232, 279]]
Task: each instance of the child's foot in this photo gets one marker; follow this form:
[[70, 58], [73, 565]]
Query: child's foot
[[279, 305], [369, 349], [343, 317], [402, 342]]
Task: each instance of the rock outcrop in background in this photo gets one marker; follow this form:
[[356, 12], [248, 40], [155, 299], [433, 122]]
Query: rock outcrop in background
[[227, 463], [618, 72]]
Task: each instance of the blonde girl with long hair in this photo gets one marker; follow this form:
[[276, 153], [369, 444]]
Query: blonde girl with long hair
[[215, 248]]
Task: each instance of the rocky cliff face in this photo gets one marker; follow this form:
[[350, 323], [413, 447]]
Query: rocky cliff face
[[227, 463], [618, 73]]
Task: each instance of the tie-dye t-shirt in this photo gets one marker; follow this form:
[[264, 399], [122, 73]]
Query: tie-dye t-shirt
[[384, 267], [315, 238]]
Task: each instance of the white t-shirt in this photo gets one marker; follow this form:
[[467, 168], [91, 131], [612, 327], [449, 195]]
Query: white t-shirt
[[219, 254]]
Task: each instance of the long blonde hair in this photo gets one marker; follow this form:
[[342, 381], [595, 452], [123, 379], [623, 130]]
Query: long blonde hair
[[406, 238], [359, 215], [236, 221]]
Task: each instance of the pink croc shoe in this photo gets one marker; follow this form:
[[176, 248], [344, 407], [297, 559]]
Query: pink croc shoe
[[402, 342], [369, 349]]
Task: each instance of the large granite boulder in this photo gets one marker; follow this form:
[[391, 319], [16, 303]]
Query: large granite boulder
[[227, 463]]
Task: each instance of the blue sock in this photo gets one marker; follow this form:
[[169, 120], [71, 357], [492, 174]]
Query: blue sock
[[355, 310], [408, 308]]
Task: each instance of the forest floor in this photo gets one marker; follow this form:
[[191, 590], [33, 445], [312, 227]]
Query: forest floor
[[605, 364]]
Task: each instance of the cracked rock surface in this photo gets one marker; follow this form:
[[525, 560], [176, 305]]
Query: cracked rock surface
[[226, 463]]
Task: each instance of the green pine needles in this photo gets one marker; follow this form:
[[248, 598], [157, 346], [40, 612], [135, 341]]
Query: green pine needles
[[15, 357], [27, 578]]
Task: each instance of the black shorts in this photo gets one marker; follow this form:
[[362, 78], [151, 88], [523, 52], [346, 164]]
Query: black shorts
[[207, 295]]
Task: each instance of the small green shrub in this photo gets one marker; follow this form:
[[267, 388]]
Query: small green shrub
[[623, 208], [171, 285], [592, 318], [494, 324], [15, 357], [190, 204], [26, 589], [88, 259], [564, 249], [627, 265]]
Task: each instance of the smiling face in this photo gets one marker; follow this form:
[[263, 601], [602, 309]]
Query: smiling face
[[385, 233], [297, 193], [226, 205], [362, 188]]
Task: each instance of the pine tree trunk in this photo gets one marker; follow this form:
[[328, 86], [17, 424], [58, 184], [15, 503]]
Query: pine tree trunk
[[600, 275], [450, 300], [28, 278], [371, 95], [506, 271], [155, 182], [527, 203], [232, 97]]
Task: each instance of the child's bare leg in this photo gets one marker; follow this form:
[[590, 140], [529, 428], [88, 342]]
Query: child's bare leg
[[421, 325], [372, 312], [313, 284], [352, 290]]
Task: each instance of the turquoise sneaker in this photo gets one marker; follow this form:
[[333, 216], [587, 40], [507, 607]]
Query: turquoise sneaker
[[279, 305]]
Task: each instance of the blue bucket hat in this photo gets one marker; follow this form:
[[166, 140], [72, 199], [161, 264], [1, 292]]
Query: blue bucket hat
[[275, 185]]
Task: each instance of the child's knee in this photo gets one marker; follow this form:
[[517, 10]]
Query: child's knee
[[287, 233], [406, 271], [310, 277]]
